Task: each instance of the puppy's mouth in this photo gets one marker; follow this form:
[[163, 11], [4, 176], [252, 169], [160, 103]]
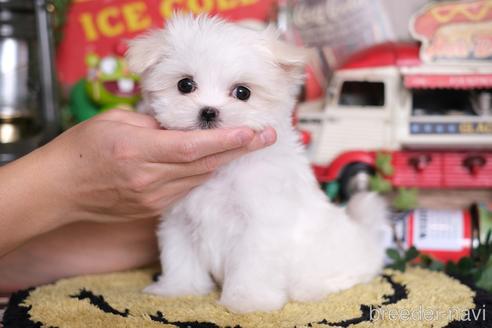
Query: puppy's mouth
[[207, 125]]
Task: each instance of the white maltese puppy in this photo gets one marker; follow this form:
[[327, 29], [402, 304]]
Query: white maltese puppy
[[260, 228]]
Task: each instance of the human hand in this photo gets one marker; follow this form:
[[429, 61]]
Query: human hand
[[120, 166]]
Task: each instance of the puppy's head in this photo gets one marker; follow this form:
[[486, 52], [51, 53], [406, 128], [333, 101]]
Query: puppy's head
[[202, 73]]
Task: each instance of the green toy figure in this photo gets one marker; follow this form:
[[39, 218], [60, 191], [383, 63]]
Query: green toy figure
[[109, 84]]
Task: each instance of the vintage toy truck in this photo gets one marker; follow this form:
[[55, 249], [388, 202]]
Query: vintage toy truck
[[434, 119], [428, 105]]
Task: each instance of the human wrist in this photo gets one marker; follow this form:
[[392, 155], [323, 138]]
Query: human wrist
[[31, 201], [52, 184]]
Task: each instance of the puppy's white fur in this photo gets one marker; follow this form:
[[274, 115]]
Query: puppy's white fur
[[260, 227]]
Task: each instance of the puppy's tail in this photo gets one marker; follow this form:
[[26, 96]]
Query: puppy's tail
[[369, 209]]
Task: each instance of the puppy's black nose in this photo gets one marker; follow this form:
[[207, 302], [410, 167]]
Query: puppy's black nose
[[208, 114]]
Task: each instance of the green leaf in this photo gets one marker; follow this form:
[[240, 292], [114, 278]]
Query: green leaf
[[411, 254], [452, 268], [383, 163], [393, 254], [483, 252], [436, 266], [465, 264], [430, 263], [400, 266], [425, 260], [485, 279], [380, 184], [487, 237], [406, 199]]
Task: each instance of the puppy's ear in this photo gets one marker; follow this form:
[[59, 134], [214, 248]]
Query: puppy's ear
[[145, 50], [290, 58]]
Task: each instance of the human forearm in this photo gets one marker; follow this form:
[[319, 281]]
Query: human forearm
[[30, 201], [79, 248]]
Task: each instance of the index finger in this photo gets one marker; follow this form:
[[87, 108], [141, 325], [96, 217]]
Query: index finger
[[169, 146], [131, 118]]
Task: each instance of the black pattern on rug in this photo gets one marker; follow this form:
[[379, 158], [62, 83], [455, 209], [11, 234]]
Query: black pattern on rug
[[99, 302], [483, 303], [159, 317], [399, 293], [17, 314]]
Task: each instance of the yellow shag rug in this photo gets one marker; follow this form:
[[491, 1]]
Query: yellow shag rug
[[416, 298]]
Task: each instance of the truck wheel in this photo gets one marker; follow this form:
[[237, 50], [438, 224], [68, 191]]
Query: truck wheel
[[355, 178]]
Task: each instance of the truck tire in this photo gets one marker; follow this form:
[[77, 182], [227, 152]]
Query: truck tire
[[356, 177]]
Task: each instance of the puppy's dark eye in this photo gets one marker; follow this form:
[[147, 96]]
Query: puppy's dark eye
[[241, 92], [186, 85]]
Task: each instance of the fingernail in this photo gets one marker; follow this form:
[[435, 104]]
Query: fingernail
[[267, 137]]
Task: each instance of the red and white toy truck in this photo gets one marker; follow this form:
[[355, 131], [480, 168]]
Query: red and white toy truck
[[428, 106]]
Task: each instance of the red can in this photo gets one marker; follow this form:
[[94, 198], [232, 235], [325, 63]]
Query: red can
[[446, 235]]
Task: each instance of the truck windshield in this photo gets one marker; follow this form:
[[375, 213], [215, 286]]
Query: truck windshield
[[362, 93], [461, 102]]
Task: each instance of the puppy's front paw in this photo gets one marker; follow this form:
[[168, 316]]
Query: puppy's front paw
[[156, 289], [162, 288], [252, 300]]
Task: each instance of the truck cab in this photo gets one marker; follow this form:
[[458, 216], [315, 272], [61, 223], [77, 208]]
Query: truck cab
[[359, 110]]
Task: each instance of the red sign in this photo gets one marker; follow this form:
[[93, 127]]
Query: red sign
[[98, 26], [459, 30]]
